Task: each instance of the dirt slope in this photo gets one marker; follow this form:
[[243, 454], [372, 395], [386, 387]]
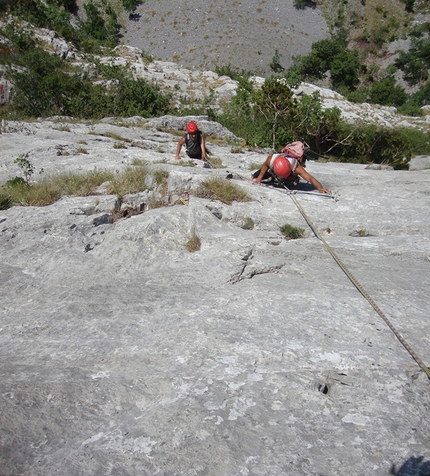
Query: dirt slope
[[245, 34]]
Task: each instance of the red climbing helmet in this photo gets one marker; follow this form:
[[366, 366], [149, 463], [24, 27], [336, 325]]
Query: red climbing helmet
[[192, 127], [282, 167]]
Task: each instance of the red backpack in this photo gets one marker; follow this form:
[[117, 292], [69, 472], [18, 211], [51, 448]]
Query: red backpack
[[295, 150]]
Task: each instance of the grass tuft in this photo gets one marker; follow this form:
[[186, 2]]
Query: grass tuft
[[248, 223], [194, 243], [217, 188], [216, 163], [291, 232], [132, 180], [49, 190]]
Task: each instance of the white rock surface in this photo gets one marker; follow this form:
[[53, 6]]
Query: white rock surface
[[122, 353]]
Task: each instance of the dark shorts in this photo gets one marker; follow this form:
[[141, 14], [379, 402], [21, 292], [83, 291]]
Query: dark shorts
[[194, 156], [266, 176]]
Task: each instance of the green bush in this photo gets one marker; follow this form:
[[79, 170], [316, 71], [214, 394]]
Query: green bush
[[344, 69], [291, 232], [5, 202], [300, 4], [409, 5], [46, 86], [275, 64], [15, 182], [410, 109], [419, 142], [323, 130], [387, 93], [415, 63], [52, 14], [375, 144], [358, 96], [232, 72], [131, 5], [275, 102], [100, 25], [318, 61], [422, 96]]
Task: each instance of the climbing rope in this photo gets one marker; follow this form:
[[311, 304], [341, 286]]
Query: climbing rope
[[356, 283]]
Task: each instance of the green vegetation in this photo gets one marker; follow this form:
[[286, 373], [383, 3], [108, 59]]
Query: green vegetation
[[360, 233], [314, 65], [232, 72], [46, 85], [216, 163], [27, 169], [415, 63], [131, 180], [275, 118], [101, 27], [20, 191], [248, 223], [348, 58], [301, 4], [221, 189], [49, 190], [291, 232]]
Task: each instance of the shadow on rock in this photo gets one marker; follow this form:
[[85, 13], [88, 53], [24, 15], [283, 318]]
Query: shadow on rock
[[414, 466]]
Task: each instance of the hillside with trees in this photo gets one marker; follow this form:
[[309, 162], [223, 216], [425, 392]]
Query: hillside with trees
[[353, 62]]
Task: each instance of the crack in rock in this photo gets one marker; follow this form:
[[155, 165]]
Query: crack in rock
[[255, 272], [242, 274]]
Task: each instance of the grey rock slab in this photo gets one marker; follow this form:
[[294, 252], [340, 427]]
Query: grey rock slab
[[123, 353]]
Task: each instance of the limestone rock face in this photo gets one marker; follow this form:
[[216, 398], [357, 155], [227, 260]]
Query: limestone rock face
[[124, 353]]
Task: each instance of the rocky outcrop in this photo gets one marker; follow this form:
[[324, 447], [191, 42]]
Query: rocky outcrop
[[123, 352], [206, 88]]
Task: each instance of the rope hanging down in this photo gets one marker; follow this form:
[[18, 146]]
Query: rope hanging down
[[357, 284]]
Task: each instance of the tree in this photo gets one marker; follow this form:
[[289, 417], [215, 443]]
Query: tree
[[100, 25], [387, 93], [275, 102], [324, 130], [275, 65], [344, 69], [416, 62]]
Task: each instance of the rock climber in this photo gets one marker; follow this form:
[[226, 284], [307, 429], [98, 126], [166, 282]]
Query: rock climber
[[194, 143], [284, 167]]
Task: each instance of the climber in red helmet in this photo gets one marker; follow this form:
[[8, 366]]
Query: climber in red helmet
[[284, 167], [194, 143]]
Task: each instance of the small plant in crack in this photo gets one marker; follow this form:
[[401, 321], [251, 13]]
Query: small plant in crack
[[360, 233], [291, 232], [119, 145], [194, 243], [248, 223], [26, 167]]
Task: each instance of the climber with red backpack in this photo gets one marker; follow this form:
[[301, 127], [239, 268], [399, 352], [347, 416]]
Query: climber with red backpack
[[194, 143], [287, 166]]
